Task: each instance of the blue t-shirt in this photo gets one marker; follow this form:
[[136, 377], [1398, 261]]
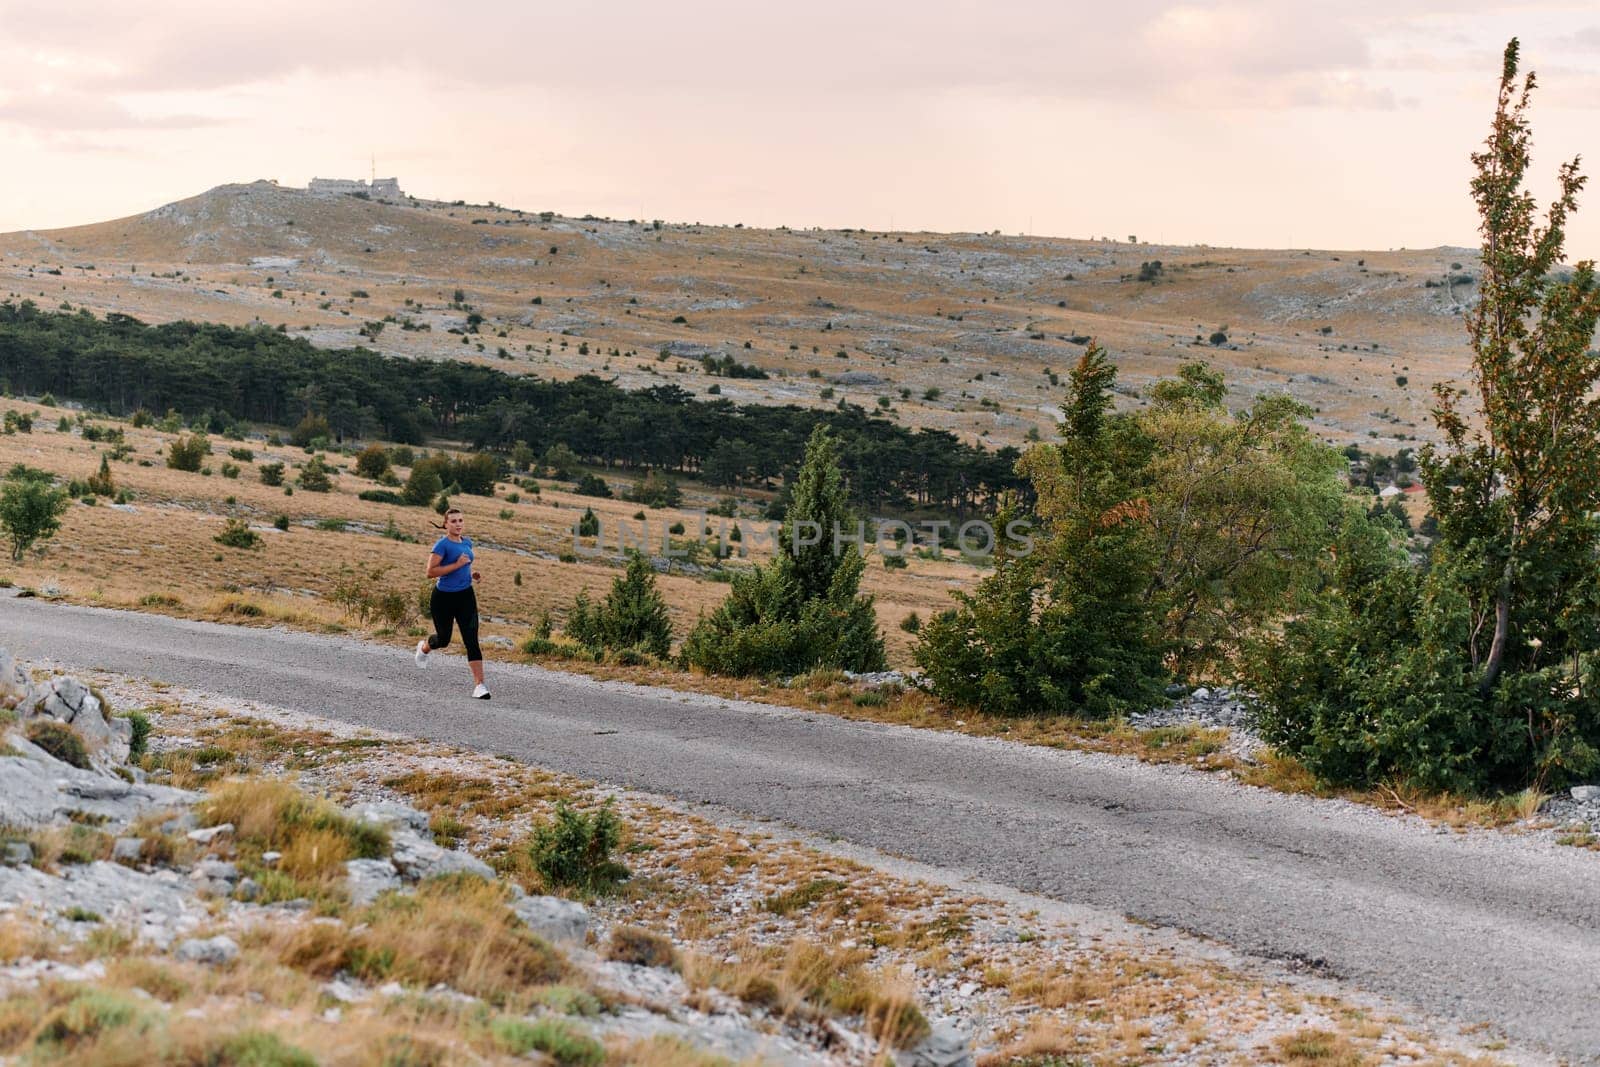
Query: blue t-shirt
[[448, 552]]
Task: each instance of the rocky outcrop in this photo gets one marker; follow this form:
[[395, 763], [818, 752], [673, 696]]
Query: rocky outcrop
[[14, 685], [67, 700], [413, 852], [37, 789], [945, 1046]]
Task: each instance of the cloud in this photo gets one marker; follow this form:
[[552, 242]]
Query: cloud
[[1187, 53], [69, 110]]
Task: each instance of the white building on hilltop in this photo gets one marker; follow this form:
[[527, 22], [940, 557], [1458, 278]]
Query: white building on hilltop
[[379, 189]]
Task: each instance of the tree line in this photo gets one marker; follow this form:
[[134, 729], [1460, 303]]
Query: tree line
[[227, 374]]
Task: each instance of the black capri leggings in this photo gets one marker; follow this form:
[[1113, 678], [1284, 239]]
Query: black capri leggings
[[455, 609]]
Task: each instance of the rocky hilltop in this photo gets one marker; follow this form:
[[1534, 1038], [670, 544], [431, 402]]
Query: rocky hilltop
[[968, 332]]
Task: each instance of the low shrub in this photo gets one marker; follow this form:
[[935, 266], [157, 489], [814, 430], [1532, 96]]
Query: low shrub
[[573, 850], [85, 1018], [592, 485], [561, 1041], [314, 476], [372, 462], [455, 929], [187, 453], [140, 741], [274, 815], [236, 533], [644, 948], [633, 616]]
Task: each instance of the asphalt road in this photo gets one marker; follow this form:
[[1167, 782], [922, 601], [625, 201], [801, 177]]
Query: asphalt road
[[1476, 927]]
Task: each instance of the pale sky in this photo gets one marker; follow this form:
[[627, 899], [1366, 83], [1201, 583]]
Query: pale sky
[[1259, 123]]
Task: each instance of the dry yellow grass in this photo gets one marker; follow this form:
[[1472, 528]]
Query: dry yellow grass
[[459, 931], [161, 556]]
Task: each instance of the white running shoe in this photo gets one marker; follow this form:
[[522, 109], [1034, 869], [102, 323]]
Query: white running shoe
[[481, 693], [422, 653]]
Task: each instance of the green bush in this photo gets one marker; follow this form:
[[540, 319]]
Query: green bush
[[140, 741], [101, 483], [236, 533], [313, 477], [259, 1048], [566, 1045], [1163, 537], [271, 473], [560, 460], [85, 1017], [656, 490], [309, 429], [592, 485], [30, 509], [803, 610], [422, 485], [60, 740], [633, 616], [372, 462], [381, 496], [573, 850], [188, 452], [476, 474]]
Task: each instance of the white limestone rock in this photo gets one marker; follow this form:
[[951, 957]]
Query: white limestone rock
[[554, 919], [366, 879]]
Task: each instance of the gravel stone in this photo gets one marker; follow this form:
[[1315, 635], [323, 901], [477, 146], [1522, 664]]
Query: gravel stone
[[210, 833], [212, 950]]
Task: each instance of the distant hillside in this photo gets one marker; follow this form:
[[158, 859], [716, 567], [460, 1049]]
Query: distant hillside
[[963, 332]]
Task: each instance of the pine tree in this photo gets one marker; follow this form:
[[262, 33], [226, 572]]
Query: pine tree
[[101, 483], [804, 609], [632, 616]]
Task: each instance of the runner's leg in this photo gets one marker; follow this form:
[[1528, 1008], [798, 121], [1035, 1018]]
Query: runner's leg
[[442, 606], [467, 617]]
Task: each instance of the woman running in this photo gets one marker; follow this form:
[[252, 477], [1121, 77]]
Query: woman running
[[453, 602]]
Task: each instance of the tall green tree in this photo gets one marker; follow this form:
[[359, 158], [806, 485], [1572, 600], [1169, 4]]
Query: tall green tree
[[804, 609], [1515, 490], [1483, 671], [1063, 628], [1165, 535], [1240, 506]]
